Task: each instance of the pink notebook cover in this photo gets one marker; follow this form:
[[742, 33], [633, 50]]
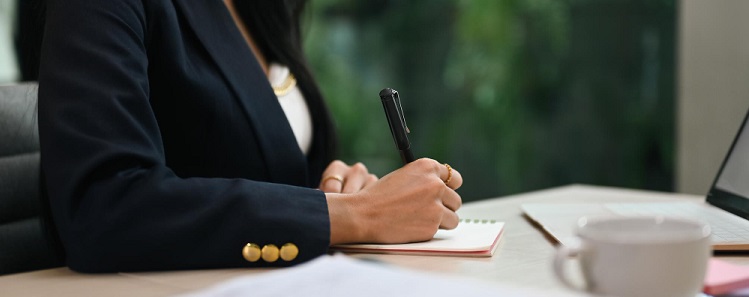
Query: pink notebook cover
[[723, 277]]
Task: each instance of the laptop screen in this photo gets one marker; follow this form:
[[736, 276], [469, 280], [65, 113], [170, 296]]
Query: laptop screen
[[730, 191]]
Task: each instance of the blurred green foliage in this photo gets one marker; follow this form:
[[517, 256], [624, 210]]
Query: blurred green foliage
[[516, 94]]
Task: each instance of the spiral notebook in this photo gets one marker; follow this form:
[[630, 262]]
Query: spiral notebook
[[472, 238]]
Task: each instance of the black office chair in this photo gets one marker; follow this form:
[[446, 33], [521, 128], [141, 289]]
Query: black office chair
[[25, 242]]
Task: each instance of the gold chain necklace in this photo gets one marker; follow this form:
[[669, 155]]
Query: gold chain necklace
[[286, 86]]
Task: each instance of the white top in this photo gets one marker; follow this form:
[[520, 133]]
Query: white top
[[294, 106]]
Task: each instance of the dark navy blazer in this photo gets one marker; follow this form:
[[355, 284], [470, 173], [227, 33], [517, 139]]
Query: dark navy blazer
[[163, 144]]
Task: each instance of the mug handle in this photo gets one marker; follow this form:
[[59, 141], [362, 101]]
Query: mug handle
[[560, 259]]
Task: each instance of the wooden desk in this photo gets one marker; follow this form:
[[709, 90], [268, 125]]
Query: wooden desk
[[523, 257]]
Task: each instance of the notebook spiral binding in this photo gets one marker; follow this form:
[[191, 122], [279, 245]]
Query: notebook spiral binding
[[476, 221]]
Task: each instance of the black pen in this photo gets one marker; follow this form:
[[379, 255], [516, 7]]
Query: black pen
[[397, 122]]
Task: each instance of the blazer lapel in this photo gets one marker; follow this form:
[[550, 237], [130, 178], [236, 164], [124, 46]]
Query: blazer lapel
[[215, 28]]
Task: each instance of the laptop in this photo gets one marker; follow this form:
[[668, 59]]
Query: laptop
[[726, 208]]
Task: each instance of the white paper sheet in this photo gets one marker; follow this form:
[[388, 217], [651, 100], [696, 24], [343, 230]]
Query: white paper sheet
[[340, 275]]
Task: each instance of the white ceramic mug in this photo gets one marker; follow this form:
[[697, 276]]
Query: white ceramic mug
[[638, 256]]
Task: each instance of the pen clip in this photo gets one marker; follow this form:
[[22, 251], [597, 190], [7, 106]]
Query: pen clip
[[399, 108]]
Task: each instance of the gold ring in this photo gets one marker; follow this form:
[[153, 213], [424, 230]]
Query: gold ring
[[449, 173], [334, 176]]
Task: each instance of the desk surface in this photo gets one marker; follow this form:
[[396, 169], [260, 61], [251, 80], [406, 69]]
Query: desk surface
[[523, 257]]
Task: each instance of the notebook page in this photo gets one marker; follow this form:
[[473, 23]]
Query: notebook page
[[469, 236]]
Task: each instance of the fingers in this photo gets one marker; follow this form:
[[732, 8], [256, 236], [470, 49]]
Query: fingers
[[451, 200], [449, 220], [355, 178], [333, 177], [452, 178], [371, 179], [341, 178], [456, 179], [449, 175]]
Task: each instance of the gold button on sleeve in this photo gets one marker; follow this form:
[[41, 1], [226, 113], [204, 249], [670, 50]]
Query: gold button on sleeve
[[289, 251], [251, 252], [270, 253]]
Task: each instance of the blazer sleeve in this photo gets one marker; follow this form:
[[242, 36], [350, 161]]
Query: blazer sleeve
[[115, 203]]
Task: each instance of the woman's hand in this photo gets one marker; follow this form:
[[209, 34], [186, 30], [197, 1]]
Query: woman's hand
[[341, 178], [407, 205]]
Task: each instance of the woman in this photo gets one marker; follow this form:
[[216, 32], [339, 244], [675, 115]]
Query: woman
[[165, 147]]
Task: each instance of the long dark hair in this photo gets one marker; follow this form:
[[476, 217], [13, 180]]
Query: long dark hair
[[276, 28], [28, 36]]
